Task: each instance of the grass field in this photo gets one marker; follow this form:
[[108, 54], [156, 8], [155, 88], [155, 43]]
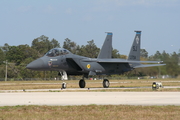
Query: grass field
[[24, 85], [90, 112]]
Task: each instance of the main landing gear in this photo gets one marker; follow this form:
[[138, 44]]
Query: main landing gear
[[105, 83], [82, 83]]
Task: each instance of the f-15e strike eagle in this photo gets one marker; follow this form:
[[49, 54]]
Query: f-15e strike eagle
[[62, 60]]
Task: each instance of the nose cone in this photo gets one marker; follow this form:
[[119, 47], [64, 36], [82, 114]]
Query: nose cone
[[36, 65]]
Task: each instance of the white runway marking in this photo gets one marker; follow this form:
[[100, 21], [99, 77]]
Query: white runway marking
[[87, 98]]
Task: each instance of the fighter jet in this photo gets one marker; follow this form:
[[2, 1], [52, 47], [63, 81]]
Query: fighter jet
[[66, 63]]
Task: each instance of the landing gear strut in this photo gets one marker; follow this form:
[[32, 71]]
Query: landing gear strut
[[82, 83], [63, 77], [106, 83]]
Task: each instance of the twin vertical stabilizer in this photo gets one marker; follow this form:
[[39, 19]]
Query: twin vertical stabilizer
[[106, 50], [134, 54], [135, 49]]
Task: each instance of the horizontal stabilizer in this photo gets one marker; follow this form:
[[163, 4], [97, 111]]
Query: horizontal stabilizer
[[151, 65]]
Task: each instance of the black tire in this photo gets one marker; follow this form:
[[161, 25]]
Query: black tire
[[106, 83], [64, 86], [82, 83]]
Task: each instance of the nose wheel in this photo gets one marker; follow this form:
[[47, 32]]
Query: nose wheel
[[64, 85]]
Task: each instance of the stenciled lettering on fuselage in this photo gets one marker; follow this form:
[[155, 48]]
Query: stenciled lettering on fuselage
[[55, 65], [53, 59]]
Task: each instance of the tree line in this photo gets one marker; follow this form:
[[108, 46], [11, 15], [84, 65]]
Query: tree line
[[19, 56]]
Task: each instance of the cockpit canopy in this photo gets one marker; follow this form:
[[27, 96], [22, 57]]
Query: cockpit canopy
[[57, 52]]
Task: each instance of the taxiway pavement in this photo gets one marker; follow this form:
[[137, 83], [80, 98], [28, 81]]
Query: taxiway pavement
[[87, 98]]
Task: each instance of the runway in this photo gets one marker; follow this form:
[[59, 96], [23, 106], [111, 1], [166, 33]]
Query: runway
[[88, 98]]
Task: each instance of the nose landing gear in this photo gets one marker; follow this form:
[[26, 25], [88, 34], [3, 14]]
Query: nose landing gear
[[64, 85], [63, 77]]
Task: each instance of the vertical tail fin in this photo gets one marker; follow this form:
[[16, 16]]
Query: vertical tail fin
[[106, 50], [135, 49]]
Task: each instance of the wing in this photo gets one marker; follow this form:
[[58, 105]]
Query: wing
[[127, 61], [135, 64], [151, 65], [118, 61]]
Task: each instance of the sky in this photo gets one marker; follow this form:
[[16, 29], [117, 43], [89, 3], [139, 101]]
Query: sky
[[21, 21]]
